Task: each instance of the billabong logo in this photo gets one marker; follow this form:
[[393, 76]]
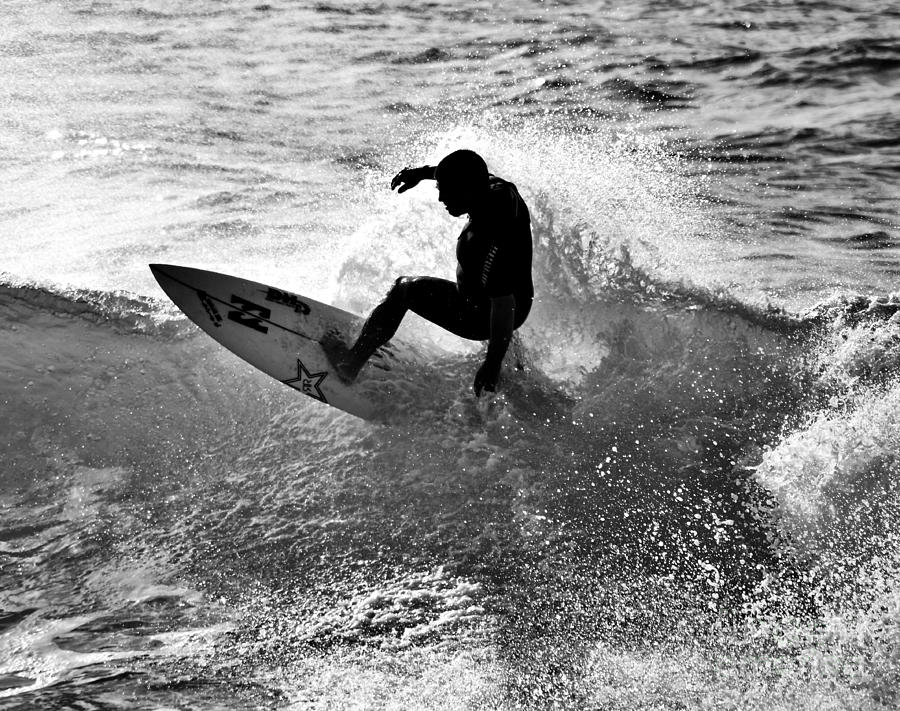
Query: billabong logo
[[250, 315]]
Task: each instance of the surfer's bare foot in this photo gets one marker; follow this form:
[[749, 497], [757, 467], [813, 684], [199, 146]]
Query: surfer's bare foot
[[340, 357]]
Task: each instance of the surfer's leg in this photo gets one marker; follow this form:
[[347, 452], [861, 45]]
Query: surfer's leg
[[439, 301], [436, 300], [379, 328]]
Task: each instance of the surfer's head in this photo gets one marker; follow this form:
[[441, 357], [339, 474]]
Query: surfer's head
[[462, 181]]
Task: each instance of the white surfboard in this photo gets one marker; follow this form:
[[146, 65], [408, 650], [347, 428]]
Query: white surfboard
[[279, 333]]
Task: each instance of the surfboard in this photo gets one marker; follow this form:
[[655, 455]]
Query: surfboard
[[279, 332]]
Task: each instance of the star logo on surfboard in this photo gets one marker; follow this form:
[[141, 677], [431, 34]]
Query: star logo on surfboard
[[308, 383]]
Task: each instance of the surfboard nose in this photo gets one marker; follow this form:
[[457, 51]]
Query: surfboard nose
[[173, 272], [160, 269]]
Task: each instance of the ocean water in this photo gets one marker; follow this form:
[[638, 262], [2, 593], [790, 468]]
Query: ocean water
[[688, 499]]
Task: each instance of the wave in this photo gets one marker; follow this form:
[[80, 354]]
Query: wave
[[432, 54], [840, 65], [876, 240], [737, 56], [642, 462], [664, 448], [669, 94], [120, 311], [700, 454]]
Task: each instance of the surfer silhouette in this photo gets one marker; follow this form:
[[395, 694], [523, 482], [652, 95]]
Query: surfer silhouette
[[493, 291]]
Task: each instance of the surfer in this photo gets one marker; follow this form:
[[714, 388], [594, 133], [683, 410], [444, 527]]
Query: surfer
[[493, 291]]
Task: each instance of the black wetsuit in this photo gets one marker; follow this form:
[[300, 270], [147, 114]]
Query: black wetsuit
[[493, 255]]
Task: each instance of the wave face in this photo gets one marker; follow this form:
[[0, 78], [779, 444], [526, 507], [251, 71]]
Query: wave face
[[666, 464]]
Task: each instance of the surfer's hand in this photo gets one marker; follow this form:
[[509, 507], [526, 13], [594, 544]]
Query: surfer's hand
[[486, 379], [408, 178]]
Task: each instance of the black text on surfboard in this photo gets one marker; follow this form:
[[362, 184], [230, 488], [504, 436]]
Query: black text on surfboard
[[211, 309], [286, 299], [250, 314], [216, 301]]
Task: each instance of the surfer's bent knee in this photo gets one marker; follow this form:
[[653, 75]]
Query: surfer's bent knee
[[399, 292]]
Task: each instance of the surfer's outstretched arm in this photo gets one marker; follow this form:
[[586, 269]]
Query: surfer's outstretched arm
[[503, 316], [411, 177]]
